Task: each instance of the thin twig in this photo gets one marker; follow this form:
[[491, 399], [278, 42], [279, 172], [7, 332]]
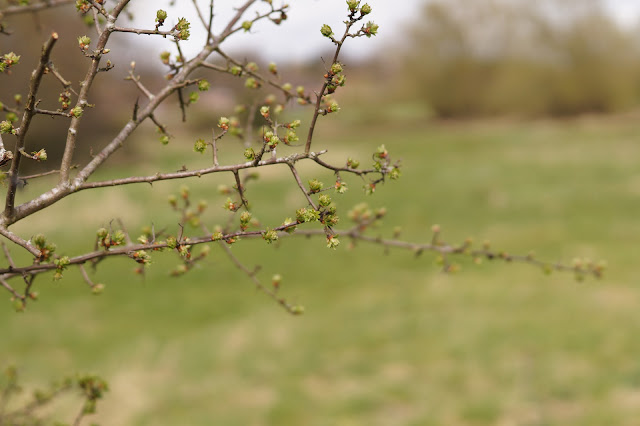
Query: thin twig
[[34, 7], [141, 31], [53, 113], [210, 26], [72, 133], [11, 290], [192, 173], [320, 95], [240, 187], [19, 241], [65, 84], [200, 16], [214, 148], [301, 185], [139, 85], [251, 274], [7, 254]]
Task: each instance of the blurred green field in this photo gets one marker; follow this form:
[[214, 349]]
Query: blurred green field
[[386, 340]]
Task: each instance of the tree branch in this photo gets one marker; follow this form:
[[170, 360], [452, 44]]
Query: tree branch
[[14, 10], [29, 112]]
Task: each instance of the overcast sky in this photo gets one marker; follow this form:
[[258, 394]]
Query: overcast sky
[[299, 37]]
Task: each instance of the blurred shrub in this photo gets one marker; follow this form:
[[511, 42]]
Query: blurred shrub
[[490, 57]]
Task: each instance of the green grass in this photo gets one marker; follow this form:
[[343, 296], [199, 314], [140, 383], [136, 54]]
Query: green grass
[[385, 339]]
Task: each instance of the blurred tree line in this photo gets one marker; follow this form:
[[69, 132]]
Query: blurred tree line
[[495, 57]]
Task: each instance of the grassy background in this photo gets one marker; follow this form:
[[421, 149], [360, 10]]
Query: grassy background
[[385, 339]]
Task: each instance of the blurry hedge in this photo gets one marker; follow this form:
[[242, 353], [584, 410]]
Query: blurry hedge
[[489, 57]]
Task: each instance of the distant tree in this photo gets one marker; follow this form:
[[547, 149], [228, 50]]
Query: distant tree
[[491, 57]]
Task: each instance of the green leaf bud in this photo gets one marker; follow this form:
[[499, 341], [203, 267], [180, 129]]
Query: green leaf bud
[[236, 70], [315, 186], [264, 111], [6, 127], [184, 192], [271, 139], [287, 87], [352, 164], [249, 154], [341, 187], [164, 140], [183, 29], [11, 59], [381, 152], [84, 42], [118, 238], [276, 280], [246, 25], [270, 236], [97, 289], [336, 68], [161, 15], [370, 29], [230, 205], [252, 83], [289, 229], [200, 146], [294, 124], [365, 9], [291, 137], [19, 305], [307, 215], [326, 31], [273, 68], [204, 85], [324, 200], [223, 123], [165, 57], [251, 66], [333, 242], [82, 6], [40, 155], [353, 5], [39, 241], [102, 233], [245, 217], [394, 173], [77, 112], [370, 188]]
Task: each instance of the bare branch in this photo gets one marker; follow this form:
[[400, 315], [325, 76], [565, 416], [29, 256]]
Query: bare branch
[[29, 112], [200, 16], [252, 275], [11, 290], [141, 31], [86, 84], [19, 241], [14, 10], [194, 173], [301, 185]]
